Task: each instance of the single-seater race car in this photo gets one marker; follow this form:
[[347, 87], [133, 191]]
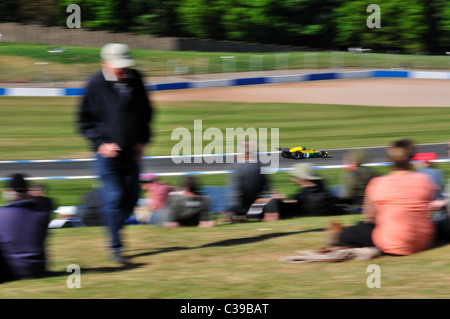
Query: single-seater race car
[[302, 152]]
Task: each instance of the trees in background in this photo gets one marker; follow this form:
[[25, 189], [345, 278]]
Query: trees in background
[[403, 25], [406, 26]]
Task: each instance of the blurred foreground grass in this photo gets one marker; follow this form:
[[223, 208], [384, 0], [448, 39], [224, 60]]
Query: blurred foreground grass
[[227, 262]]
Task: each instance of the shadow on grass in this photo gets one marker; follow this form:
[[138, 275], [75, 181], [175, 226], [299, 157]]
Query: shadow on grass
[[228, 242], [86, 270], [223, 243]]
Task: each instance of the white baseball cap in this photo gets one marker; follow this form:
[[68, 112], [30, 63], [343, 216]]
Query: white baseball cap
[[118, 55]]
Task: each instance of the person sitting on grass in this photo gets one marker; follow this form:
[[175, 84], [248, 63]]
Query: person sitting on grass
[[23, 231], [248, 184], [355, 179], [188, 208], [423, 162], [396, 208], [152, 208], [312, 198]]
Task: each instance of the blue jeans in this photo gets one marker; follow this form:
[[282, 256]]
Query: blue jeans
[[120, 192], [159, 217]]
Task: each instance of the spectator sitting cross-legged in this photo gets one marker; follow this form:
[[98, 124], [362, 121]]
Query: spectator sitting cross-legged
[[152, 211], [313, 199], [188, 208], [23, 231], [355, 179], [248, 185]]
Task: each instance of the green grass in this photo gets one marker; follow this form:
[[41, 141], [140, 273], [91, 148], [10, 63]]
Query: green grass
[[45, 128], [227, 262], [77, 63]]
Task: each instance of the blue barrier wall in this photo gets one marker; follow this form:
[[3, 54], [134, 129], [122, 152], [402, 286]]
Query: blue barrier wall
[[240, 82]]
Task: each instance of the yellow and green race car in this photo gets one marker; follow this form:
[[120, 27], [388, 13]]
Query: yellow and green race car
[[302, 152]]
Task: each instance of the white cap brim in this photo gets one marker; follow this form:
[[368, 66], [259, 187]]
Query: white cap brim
[[120, 64]]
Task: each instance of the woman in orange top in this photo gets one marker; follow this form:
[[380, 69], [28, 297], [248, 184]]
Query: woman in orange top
[[397, 208]]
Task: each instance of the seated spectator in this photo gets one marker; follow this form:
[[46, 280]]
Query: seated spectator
[[396, 207], [423, 164], [355, 179], [313, 199], [218, 197], [23, 230], [90, 208], [248, 184], [151, 209], [442, 218], [188, 208], [39, 192]]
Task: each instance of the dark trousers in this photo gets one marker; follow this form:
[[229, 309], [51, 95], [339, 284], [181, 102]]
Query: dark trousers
[[443, 227], [284, 209], [359, 235], [120, 192], [5, 272]]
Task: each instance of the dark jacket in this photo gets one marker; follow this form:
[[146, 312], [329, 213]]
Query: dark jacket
[[317, 201], [248, 185], [23, 230], [113, 113], [188, 210]]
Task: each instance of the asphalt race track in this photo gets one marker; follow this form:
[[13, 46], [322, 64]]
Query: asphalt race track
[[166, 166]]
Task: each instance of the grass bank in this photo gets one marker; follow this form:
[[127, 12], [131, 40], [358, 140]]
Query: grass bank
[[227, 262]]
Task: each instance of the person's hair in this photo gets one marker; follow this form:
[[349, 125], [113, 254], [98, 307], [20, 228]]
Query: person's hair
[[18, 183], [400, 153], [406, 144], [190, 183], [18, 187]]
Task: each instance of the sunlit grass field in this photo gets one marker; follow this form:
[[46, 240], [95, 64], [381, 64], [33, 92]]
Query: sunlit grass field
[[45, 128]]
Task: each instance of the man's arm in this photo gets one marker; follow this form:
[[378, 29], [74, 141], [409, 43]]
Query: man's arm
[[145, 117], [145, 111], [88, 122]]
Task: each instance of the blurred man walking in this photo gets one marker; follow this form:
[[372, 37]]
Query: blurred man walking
[[115, 115]]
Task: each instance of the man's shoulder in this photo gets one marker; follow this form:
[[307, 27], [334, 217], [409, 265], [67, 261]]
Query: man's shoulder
[[34, 204], [95, 79]]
